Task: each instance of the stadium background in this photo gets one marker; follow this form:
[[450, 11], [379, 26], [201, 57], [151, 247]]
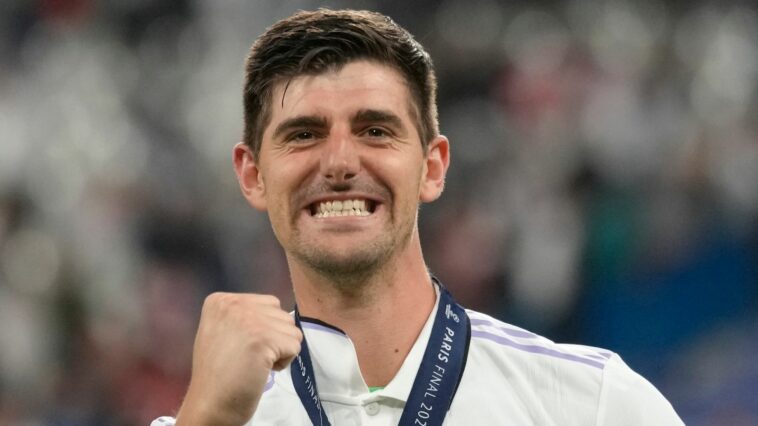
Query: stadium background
[[602, 189]]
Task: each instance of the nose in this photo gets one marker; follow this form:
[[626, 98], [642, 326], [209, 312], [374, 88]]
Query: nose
[[340, 161]]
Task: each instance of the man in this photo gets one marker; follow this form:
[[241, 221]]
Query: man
[[341, 144]]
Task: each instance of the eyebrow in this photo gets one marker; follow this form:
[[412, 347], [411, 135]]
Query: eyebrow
[[377, 116], [363, 116], [303, 121]]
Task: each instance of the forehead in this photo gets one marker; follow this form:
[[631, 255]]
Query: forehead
[[339, 93]]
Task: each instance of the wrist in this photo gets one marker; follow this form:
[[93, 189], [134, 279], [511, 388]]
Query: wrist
[[201, 411]]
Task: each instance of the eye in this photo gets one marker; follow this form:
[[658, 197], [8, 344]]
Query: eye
[[304, 135], [376, 132]]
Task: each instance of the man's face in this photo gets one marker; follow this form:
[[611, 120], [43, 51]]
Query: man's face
[[342, 169]]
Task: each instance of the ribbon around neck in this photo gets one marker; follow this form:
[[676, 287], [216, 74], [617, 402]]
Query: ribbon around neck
[[437, 378]]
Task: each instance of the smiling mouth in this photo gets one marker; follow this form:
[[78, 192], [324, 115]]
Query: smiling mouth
[[339, 208]]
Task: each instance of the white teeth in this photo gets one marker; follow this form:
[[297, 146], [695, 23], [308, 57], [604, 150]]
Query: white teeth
[[338, 208]]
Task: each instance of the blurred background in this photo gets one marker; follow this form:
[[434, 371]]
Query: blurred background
[[602, 189]]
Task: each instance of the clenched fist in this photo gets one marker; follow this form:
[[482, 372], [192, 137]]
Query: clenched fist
[[241, 337]]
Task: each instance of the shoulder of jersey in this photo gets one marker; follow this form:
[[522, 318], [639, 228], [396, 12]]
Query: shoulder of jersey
[[487, 330]]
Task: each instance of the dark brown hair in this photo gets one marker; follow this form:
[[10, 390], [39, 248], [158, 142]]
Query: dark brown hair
[[326, 40]]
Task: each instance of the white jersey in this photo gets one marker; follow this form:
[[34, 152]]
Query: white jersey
[[511, 377]]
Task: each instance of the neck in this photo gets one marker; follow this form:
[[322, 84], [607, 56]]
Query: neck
[[383, 315]]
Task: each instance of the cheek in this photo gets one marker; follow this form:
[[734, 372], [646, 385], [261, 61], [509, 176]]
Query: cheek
[[283, 183], [402, 182], [283, 176]]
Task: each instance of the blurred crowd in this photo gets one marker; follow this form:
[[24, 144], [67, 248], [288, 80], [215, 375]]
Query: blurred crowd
[[602, 189]]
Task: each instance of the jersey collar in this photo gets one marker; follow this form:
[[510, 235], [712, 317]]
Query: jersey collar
[[338, 374]]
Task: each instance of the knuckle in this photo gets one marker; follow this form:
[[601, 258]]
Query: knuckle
[[218, 296], [269, 299], [220, 302], [212, 300]]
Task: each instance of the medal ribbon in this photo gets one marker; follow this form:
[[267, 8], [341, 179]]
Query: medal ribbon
[[437, 378]]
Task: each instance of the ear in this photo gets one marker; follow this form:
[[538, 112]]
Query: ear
[[249, 176], [435, 168]]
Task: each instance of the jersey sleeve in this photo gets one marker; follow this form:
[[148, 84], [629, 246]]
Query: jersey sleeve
[[626, 398]]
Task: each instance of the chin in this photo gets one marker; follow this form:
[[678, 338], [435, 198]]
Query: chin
[[337, 266]]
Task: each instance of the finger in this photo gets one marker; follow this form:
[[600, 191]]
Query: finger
[[276, 317], [272, 310], [289, 351], [264, 299], [287, 331], [283, 363]]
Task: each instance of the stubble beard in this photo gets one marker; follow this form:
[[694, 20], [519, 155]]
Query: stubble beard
[[351, 273]]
